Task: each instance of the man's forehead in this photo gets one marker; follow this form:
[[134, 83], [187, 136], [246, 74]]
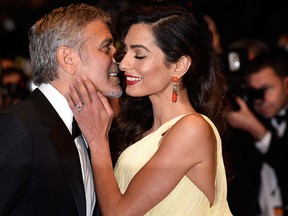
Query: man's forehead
[[98, 30]]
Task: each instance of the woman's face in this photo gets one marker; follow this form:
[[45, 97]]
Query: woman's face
[[143, 64]]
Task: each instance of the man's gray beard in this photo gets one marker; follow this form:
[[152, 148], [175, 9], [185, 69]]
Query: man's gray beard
[[117, 94]]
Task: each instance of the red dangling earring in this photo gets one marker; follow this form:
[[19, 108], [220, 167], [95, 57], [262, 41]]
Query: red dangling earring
[[175, 89]]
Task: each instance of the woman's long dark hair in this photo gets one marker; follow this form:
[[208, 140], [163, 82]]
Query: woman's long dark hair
[[177, 32]]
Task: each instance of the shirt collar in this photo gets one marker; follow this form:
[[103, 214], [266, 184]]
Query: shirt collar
[[283, 111]]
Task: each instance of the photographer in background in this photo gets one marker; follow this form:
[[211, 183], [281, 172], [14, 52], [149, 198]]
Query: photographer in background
[[245, 159], [240, 52], [253, 46], [267, 74]]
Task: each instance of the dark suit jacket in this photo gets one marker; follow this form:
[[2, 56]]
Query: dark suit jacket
[[245, 162], [40, 171]]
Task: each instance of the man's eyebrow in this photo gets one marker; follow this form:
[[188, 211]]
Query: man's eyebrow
[[139, 46], [106, 41]]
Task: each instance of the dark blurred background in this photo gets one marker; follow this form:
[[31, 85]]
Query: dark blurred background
[[234, 18]]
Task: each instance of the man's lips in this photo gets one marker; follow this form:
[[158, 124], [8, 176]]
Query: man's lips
[[112, 74]]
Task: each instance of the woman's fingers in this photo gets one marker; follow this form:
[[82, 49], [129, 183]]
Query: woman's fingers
[[81, 91], [74, 99], [83, 95], [91, 94], [106, 104], [70, 101], [89, 85], [97, 98]]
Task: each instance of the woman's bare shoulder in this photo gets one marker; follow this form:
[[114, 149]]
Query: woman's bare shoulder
[[192, 129]]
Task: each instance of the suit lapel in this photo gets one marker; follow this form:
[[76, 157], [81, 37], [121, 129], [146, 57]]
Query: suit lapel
[[64, 146]]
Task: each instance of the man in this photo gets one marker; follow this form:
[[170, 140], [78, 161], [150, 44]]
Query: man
[[245, 159], [43, 170], [267, 79]]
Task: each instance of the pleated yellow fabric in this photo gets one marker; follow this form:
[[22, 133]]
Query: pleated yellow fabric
[[185, 199]]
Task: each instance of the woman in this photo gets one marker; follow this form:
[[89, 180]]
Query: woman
[[172, 163]]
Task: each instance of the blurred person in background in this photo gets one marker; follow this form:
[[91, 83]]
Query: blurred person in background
[[282, 41], [267, 77], [245, 159], [216, 37], [14, 85], [6, 62], [253, 46]]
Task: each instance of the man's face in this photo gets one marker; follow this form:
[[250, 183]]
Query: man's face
[[97, 61], [275, 92]]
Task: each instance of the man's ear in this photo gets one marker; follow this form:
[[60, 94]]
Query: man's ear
[[182, 66], [66, 59]]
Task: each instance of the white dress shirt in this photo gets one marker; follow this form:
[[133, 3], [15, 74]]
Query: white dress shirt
[[61, 106], [270, 194]]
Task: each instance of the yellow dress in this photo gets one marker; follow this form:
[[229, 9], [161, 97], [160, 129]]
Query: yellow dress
[[185, 199]]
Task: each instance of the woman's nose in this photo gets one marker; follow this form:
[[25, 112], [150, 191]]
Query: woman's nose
[[123, 64], [121, 67]]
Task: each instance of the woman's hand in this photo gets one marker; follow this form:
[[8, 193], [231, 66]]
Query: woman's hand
[[91, 110]]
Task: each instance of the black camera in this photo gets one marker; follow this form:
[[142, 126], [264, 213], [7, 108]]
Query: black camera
[[237, 62], [253, 94]]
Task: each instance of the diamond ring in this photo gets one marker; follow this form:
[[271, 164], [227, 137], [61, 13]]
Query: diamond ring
[[79, 107]]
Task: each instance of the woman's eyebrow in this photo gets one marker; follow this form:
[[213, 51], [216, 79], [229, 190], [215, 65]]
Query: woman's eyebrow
[[139, 46]]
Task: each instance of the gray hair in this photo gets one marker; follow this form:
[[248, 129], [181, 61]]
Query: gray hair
[[61, 27]]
